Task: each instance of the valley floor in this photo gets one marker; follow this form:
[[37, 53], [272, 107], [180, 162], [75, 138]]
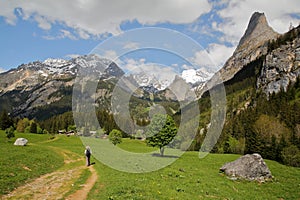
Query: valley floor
[[65, 175], [65, 183]]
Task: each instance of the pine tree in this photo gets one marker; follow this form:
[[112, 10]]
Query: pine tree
[[5, 120], [282, 144], [33, 127]]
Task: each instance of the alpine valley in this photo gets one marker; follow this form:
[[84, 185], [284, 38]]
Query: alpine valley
[[261, 80]]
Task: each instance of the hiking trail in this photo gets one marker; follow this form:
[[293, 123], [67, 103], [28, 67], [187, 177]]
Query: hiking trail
[[57, 184]]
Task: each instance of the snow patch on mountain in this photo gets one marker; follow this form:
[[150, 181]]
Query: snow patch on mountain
[[158, 82], [196, 76]]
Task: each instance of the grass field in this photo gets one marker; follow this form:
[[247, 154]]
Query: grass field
[[192, 178], [187, 178]]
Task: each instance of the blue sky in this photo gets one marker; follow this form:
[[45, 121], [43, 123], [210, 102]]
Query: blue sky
[[37, 30]]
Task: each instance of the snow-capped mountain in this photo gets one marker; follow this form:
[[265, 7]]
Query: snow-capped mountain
[[162, 81], [150, 80], [30, 87], [196, 76]]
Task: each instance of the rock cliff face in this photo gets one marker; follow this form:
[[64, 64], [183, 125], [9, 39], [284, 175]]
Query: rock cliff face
[[281, 54], [252, 45], [281, 67]]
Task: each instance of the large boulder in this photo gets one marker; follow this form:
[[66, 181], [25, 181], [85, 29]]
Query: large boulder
[[21, 142], [250, 167]]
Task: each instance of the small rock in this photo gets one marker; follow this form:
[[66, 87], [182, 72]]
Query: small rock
[[21, 142]]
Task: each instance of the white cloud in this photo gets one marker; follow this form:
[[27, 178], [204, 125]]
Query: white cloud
[[187, 67], [160, 72], [42, 22], [2, 70], [83, 34], [100, 16], [236, 16], [62, 34], [8, 12], [131, 45], [72, 56], [110, 54], [67, 34], [213, 58]]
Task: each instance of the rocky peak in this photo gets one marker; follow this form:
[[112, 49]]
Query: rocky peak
[[252, 45], [257, 32]]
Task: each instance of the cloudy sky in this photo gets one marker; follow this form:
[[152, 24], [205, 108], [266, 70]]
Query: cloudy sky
[[40, 29]]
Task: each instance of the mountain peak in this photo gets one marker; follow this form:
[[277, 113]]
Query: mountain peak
[[257, 32], [251, 46]]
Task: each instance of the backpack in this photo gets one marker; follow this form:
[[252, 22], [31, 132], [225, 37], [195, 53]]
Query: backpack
[[87, 152]]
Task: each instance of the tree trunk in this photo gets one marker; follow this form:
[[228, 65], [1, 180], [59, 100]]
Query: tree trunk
[[162, 149]]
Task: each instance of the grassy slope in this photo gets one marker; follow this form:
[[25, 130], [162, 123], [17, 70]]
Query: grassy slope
[[136, 146], [188, 178], [193, 178], [19, 164]]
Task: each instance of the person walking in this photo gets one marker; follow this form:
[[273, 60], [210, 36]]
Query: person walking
[[88, 153]]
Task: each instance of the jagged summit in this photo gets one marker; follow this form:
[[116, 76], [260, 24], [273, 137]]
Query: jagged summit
[[251, 46], [257, 32]]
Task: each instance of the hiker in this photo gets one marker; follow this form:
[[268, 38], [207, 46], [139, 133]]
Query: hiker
[[88, 153]]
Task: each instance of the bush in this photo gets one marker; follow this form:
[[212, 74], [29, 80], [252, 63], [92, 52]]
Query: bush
[[236, 146], [291, 156], [115, 136], [10, 132]]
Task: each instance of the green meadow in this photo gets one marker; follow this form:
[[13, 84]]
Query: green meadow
[[187, 178]]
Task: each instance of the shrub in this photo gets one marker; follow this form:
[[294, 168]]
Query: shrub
[[10, 132], [115, 136]]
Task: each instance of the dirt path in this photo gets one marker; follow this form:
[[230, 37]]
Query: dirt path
[[49, 186], [55, 185], [82, 193]]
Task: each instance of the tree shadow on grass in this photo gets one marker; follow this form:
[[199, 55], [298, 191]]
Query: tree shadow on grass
[[164, 156]]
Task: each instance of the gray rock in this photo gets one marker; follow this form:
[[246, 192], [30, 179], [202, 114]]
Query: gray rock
[[280, 68], [21, 142], [249, 167]]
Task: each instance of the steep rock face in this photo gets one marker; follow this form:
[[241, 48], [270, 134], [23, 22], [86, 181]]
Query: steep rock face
[[252, 45], [258, 31], [281, 67]]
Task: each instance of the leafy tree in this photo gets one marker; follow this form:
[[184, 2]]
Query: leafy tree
[[115, 136], [236, 146], [26, 122], [10, 132], [21, 126], [72, 128], [27, 129], [267, 126], [39, 130], [162, 130]]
